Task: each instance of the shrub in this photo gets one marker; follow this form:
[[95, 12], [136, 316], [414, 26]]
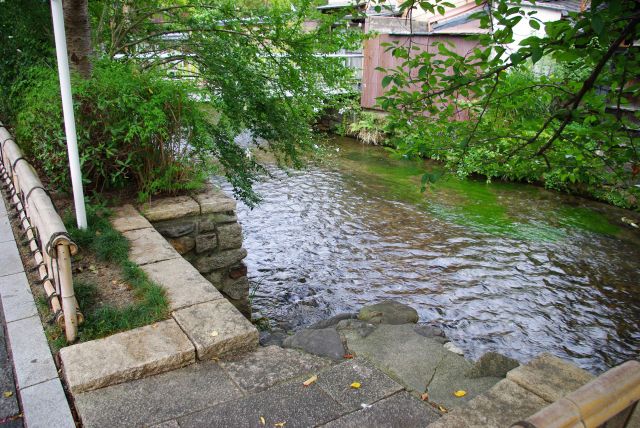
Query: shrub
[[370, 128], [134, 127]]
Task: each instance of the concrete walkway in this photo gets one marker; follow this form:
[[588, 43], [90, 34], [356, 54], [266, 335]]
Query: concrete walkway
[[37, 385]]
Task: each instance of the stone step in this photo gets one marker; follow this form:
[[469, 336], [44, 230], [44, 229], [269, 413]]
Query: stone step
[[133, 354], [526, 390]]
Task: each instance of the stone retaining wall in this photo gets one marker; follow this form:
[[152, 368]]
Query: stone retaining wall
[[204, 229]]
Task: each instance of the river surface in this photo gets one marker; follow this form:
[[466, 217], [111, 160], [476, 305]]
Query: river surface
[[504, 267]]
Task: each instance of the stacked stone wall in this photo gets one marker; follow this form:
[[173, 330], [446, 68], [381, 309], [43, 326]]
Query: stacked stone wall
[[204, 229]]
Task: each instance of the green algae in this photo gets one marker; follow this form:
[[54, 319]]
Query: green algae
[[586, 219], [466, 202]]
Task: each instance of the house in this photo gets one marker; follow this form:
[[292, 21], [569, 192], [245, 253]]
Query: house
[[424, 29]]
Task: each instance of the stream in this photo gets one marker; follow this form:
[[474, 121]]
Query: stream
[[503, 267]]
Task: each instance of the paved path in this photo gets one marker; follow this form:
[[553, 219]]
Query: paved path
[[37, 385], [10, 415]]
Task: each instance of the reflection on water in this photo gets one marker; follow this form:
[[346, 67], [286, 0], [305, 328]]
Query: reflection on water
[[503, 267]]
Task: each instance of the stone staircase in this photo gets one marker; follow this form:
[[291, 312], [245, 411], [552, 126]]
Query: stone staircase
[[266, 388]]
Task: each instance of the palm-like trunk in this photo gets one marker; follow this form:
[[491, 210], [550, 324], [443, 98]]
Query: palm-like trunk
[[78, 30]]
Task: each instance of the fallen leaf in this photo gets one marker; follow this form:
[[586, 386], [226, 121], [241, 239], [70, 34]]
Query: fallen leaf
[[114, 282], [311, 380], [348, 356], [92, 268], [8, 394], [262, 421], [213, 333], [425, 396], [279, 424], [356, 385], [442, 409], [460, 393]]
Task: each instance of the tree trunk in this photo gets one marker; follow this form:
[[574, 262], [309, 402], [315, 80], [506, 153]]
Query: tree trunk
[[78, 30]]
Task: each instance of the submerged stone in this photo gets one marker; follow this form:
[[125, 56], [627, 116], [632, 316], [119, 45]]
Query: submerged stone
[[325, 342], [492, 364], [388, 312]]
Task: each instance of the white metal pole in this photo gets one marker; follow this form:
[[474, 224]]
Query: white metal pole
[[67, 109]]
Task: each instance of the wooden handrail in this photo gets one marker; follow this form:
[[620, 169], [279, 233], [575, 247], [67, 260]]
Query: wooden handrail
[[609, 399]]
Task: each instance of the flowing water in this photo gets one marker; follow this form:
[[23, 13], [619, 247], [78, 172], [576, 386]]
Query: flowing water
[[506, 267]]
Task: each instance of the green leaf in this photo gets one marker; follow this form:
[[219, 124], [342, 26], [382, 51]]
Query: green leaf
[[597, 23], [386, 81]]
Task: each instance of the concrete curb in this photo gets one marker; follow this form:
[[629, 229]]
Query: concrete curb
[[43, 400]]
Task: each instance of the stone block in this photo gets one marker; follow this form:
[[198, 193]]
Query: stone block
[[268, 366], [176, 228], [158, 398], [17, 299], [148, 246], [126, 218], [208, 222], [399, 410], [45, 405], [501, 406], [493, 364], [325, 342], [215, 201], [31, 356], [217, 329], [229, 236], [11, 262], [374, 385], [388, 312], [238, 271], [182, 282], [170, 208], [549, 377], [133, 354], [215, 278], [223, 259], [183, 244], [236, 289], [293, 404], [6, 234], [206, 242]]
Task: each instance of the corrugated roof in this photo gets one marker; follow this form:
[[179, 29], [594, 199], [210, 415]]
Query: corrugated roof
[[564, 5]]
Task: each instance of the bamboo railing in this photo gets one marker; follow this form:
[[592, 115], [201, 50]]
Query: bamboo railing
[[607, 401], [44, 232]]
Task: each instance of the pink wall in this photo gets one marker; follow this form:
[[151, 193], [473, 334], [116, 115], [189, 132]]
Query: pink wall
[[376, 56]]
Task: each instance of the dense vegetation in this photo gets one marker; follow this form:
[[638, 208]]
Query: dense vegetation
[[237, 66], [552, 112]]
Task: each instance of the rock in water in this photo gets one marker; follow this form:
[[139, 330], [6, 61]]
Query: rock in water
[[492, 364], [325, 342], [449, 346], [331, 322], [388, 312], [432, 332]]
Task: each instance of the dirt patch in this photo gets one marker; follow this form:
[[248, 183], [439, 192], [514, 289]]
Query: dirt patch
[[107, 277]]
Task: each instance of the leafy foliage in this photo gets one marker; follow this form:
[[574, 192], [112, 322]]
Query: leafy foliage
[[562, 123], [22, 47], [174, 85], [369, 128], [132, 126]]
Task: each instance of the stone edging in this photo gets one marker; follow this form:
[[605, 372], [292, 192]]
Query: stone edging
[[43, 400], [203, 323]]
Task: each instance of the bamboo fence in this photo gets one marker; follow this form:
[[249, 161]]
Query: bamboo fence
[[43, 231]]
